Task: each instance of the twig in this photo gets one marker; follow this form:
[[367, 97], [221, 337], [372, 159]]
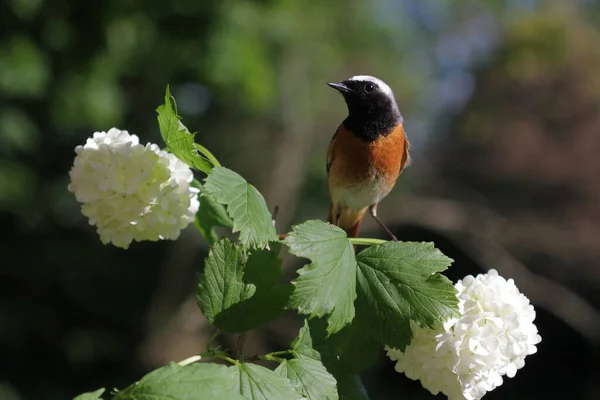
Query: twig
[[212, 339], [241, 342], [271, 356]]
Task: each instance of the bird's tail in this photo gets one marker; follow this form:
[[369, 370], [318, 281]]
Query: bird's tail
[[349, 220]]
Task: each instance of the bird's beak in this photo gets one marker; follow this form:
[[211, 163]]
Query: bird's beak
[[340, 87]]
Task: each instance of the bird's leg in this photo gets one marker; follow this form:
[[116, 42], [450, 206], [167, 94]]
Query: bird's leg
[[373, 212]]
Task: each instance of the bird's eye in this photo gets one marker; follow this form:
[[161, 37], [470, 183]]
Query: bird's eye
[[369, 87]]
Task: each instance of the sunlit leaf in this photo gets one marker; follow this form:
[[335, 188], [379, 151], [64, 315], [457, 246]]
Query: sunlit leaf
[[259, 383], [179, 140], [245, 205], [200, 381], [311, 376], [398, 282], [326, 286]]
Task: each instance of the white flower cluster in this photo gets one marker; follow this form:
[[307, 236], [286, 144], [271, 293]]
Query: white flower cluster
[[466, 357], [131, 191]]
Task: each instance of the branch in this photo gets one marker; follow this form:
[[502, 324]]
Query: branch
[[241, 343]]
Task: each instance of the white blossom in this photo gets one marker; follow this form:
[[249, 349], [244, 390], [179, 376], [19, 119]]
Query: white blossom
[[130, 191], [466, 357]]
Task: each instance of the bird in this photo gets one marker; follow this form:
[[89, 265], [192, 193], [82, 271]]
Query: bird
[[366, 154]]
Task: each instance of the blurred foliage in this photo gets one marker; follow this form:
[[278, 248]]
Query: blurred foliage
[[249, 76], [528, 134]]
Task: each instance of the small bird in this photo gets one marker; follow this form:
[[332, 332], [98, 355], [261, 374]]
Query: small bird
[[366, 154]]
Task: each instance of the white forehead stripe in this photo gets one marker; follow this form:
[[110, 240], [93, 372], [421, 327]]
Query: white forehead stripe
[[382, 85]]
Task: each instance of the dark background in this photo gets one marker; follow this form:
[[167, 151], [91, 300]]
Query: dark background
[[502, 105]]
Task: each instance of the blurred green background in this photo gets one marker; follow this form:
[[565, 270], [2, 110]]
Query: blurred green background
[[501, 101]]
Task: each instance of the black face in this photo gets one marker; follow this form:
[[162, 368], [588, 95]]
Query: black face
[[363, 95], [372, 110]]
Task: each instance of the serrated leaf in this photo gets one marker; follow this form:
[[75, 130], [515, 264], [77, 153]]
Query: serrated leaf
[[245, 205], [90, 395], [237, 298], [306, 341], [201, 381], [221, 286], [327, 286], [210, 215], [259, 383], [178, 138], [349, 351], [398, 282], [311, 376], [350, 387]]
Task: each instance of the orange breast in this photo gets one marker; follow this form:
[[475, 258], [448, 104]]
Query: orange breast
[[354, 160]]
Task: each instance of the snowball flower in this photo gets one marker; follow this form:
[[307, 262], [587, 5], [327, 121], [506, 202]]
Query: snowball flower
[[131, 191], [466, 357]]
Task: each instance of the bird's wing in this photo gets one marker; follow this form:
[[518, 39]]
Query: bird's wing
[[406, 154], [329, 158]]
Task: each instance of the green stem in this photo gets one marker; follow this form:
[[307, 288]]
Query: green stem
[[212, 339], [280, 353], [207, 154], [230, 360], [269, 357], [219, 354], [367, 241]]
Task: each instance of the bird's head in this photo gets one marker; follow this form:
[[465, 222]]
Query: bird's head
[[372, 107], [366, 94]]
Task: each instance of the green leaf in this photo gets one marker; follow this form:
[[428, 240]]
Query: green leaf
[[237, 298], [350, 387], [398, 282], [344, 354], [265, 306], [210, 215], [90, 395], [309, 337], [263, 267], [204, 151], [245, 205], [179, 140], [315, 382], [259, 383], [327, 286], [193, 382], [349, 351], [221, 286]]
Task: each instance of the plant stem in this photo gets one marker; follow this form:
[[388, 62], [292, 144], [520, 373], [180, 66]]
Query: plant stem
[[230, 360], [269, 357], [280, 353], [367, 241], [219, 354], [212, 339], [241, 342]]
